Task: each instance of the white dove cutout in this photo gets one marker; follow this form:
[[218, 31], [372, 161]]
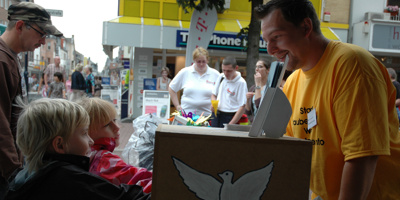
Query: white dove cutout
[[250, 186]]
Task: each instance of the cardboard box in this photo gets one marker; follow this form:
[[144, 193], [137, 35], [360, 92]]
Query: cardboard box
[[211, 163]]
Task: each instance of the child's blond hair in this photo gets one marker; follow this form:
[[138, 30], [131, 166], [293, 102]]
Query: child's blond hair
[[43, 120], [100, 112]]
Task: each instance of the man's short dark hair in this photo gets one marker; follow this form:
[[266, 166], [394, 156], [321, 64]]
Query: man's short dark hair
[[59, 76], [229, 60], [294, 11]]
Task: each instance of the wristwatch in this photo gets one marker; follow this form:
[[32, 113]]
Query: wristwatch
[[258, 87]]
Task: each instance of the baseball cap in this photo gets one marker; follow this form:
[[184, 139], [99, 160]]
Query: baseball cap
[[31, 12]]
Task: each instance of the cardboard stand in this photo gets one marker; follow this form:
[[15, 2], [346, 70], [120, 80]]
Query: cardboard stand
[[209, 163], [215, 163]]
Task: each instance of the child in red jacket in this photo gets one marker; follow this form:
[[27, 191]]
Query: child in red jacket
[[104, 130]]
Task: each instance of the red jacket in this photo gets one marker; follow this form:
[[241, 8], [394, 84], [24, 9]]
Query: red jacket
[[111, 167]]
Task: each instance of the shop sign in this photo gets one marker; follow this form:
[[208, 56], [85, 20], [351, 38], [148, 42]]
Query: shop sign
[[202, 24], [105, 80], [386, 37], [126, 64], [220, 41]]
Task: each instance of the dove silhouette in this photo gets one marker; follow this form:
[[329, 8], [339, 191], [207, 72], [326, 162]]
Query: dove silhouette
[[250, 186]]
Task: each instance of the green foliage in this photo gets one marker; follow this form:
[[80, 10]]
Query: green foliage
[[190, 4], [243, 34]]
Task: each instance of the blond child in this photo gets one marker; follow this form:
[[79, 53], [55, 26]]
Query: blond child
[[105, 132], [53, 136]]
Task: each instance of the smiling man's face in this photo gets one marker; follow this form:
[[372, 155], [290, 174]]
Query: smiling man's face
[[283, 38]]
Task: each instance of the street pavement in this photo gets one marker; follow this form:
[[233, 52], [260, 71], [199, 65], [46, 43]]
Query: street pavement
[[126, 130]]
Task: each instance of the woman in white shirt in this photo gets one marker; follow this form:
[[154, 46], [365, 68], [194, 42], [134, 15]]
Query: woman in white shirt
[[197, 82], [163, 81]]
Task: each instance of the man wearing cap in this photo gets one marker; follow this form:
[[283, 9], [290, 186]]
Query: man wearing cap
[[28, 26]]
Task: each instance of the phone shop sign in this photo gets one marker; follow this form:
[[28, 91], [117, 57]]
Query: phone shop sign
[[220, 41]]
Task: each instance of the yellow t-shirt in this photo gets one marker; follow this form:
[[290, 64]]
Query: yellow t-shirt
[[354, 100]]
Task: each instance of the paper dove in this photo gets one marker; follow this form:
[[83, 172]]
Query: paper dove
[[249, 186]]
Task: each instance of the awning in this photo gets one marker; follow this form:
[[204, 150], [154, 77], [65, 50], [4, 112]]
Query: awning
[[329, 33], [161, 33]]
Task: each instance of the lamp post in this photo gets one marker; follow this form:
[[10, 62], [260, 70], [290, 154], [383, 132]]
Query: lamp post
[[26, 73]]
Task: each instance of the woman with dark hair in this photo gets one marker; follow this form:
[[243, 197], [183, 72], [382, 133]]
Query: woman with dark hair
[[256, 92]]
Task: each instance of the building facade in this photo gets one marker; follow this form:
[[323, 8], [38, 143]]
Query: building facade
[[156, 32]]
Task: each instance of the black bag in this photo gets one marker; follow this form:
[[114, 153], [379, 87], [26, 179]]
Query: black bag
[[98, 87]]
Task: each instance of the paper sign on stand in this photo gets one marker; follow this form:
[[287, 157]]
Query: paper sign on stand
[[157, 103]]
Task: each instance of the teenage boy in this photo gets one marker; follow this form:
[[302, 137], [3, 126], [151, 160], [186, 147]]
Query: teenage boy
[[53, 136], [230, 90]]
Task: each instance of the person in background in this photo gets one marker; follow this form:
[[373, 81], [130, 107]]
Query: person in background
[[57, 88], [230, 91], [68, 86], [89, 81], [393, 78], [78, 84], [42, 88], [98, 87], [346, 96], [114, 78], [28, 26], [53, 137], [256, 92], [197, 82], [53, 68], [104, 130], [32, 82], [163, 81]]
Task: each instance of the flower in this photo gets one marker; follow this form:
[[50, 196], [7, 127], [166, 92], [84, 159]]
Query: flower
[[392, 8]]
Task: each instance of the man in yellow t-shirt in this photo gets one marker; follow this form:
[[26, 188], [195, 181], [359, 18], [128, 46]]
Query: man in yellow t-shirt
[[342, 100]]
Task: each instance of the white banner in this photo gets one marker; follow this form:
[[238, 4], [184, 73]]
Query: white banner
[[202, 26]]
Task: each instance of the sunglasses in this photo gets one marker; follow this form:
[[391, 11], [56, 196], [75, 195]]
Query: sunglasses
[[43, 35]]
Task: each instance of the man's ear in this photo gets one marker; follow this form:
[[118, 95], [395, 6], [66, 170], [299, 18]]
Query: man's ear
[[18, 25], [237, 67], [307, 26], [59, 145]]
